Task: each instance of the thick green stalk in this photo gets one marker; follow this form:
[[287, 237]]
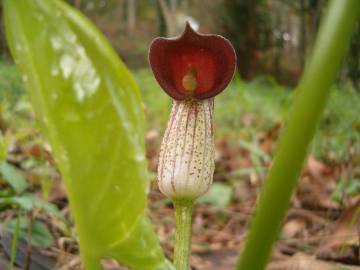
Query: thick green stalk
[[183, 216], [312, 93]]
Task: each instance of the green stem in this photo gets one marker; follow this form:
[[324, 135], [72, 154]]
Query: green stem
[[183, 216], [14, 241], [312, 93]]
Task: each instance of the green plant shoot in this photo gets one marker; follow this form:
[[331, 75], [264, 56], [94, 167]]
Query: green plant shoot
[[312, 93]]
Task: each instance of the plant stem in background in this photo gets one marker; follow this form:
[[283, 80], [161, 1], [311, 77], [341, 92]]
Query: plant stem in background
[[183, 216], [29, 237], [14, 241], [312, 93]]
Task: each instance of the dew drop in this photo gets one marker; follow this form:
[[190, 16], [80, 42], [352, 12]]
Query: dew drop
[[45, 120], [40, 18], [47, 146], [139, 157], [80, 92], [54, 70], [55, 42], [81, 51], [72, 116], [67, 65], [53, 95], [71, 37], [89, 115], [18, 47]]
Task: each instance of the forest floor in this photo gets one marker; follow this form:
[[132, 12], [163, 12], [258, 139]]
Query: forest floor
[[322, 228]]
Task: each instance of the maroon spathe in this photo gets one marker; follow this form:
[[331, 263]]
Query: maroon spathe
[[209, 59]]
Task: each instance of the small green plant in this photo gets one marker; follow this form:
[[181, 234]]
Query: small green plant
[[15, 195]]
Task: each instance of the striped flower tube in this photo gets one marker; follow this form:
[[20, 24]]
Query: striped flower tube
[[186, 163]]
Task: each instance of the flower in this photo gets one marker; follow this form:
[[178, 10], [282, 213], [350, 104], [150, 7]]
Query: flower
[[192, 65], [192, 69], [186, 163]]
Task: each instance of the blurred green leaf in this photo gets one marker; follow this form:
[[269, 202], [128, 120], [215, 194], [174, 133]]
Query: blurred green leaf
[[6, 192], [219, 195], [13, 177], [40, 235], [338, 192], [353, 188], [346, 187], [89, 107], [10, 84], [255, 149], [29, 202]]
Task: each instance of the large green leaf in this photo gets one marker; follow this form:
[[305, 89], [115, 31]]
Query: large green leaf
[[90, 109]]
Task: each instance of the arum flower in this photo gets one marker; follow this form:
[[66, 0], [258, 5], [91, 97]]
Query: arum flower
[[192, 69], [192, 65]]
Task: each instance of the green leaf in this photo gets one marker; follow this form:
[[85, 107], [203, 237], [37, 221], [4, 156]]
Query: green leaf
[[353, 188], [338, 192], [219, 195], [40, 235], [90, 110], [28, 202], [346, 187], [13, 177]]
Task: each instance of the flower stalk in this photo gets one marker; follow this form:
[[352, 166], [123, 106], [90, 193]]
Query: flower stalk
[[183, 219]]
